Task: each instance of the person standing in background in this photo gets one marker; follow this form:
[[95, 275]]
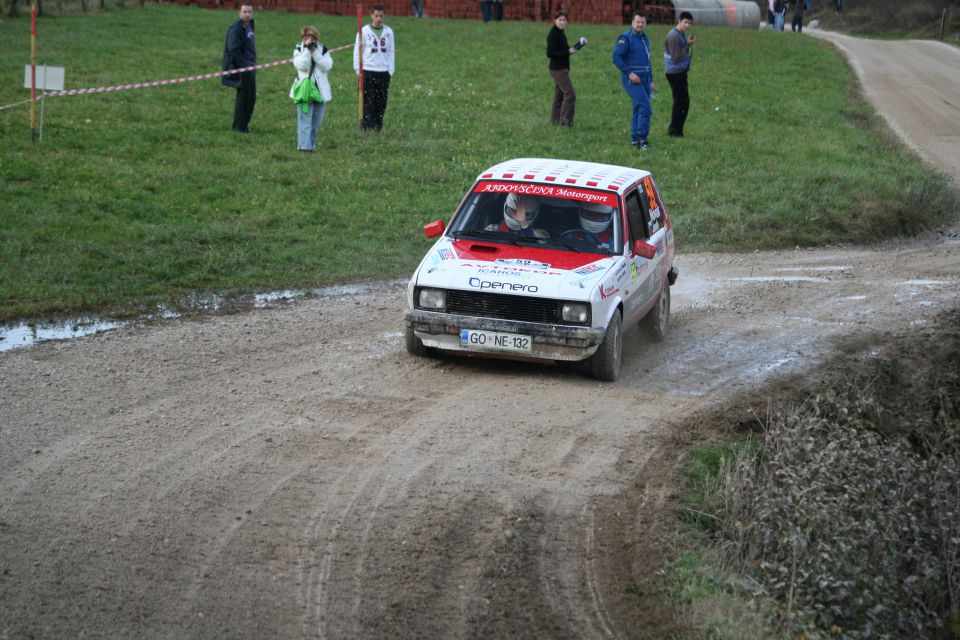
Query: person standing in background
[[379, 60], [779, 14], [559, 51], [417, 6], [797, 24], [485, 10], [311, 60], [239, 51], [677, 56], [631, 55]]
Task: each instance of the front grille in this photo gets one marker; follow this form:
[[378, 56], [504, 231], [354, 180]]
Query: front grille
[[498, 305]]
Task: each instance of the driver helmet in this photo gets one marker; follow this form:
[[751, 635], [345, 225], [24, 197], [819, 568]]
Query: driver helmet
[[531, 208], [595, 218]]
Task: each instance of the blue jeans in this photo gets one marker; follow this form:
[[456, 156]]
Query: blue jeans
[[640, 97], [778, 22], [308, 123], [417, 6]]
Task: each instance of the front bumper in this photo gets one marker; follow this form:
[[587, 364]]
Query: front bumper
[[550, 342]]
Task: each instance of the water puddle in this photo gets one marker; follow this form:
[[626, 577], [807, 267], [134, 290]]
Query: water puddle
[[25, 334], [778, 279]]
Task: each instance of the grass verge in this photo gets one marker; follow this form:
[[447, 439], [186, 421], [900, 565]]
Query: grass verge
[[145, 196]]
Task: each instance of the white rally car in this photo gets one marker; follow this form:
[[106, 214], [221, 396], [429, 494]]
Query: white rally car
[[546, 259]]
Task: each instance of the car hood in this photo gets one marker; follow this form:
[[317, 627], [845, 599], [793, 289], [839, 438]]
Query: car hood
[[524, 270]]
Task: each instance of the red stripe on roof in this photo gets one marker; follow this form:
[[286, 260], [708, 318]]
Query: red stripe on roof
[[550, 178], [508, 175]]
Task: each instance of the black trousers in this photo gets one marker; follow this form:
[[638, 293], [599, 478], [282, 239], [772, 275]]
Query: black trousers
[[376, 87], [246, 99], [681, 102]]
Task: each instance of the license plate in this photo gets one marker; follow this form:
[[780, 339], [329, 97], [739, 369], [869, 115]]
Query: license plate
[[495, 341]]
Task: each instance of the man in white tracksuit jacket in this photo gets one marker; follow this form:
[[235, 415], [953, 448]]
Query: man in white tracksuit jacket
[[378, 67]]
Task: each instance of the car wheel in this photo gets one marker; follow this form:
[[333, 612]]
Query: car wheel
[[657, 321], [605, 363], [415, 345]]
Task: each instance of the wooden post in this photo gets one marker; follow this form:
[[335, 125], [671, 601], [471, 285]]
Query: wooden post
[[360, 59], [33, 73]]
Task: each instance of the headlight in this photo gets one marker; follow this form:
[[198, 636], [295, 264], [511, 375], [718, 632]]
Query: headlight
[[432, 299], [575, 312]]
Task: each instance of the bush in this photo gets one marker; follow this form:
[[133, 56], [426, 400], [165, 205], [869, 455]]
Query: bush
[[851, 515]]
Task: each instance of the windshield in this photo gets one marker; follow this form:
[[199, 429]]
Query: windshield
[[551, 216]]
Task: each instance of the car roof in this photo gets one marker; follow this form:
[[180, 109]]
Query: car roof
[[575, 173]]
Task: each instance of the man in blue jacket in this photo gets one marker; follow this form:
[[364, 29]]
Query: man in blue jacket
[[631, 55], [240, 51], [677, 53]]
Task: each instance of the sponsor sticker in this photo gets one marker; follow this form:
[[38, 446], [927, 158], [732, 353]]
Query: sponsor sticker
[[514, 268], [590, 268], [529, 264], [607, 291], [552, 191], [633, 272], [492, 285], [446, 254]]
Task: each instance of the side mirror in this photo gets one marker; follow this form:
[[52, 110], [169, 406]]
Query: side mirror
[[644, 249], [434, 229]]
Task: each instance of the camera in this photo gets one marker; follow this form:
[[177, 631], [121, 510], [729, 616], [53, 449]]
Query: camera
[[312, 46]]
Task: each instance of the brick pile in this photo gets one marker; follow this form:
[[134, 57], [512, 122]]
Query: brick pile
[[580, 11]]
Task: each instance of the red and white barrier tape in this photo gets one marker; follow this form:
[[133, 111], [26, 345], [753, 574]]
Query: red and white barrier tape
[[159, 83]]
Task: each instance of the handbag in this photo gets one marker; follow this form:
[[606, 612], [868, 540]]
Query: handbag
[[306, 91]]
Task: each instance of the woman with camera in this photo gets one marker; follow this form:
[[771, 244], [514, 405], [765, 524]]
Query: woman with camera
[[312, 61]]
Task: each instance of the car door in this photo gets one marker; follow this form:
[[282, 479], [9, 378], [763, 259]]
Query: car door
[[644, 222]]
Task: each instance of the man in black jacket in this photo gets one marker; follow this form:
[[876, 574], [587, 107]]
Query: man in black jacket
[[240, 51]]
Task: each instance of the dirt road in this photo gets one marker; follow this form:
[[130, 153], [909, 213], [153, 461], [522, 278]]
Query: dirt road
[[916, 87], [293, 473]]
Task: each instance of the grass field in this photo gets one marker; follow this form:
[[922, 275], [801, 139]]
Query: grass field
[[145, 196]]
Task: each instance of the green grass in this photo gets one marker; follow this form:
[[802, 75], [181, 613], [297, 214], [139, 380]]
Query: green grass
[[144, 196]]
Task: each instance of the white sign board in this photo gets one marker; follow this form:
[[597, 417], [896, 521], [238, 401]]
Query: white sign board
[[48, 78]]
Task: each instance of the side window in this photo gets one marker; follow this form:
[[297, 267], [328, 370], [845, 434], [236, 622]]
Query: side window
[[636, 214], [654, 222]]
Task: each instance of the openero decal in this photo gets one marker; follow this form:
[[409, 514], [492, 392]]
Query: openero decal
[[491, 285]]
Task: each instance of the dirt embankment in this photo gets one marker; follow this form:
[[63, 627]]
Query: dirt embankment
[[294, 473]]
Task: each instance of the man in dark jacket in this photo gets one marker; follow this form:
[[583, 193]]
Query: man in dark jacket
[[677, 53], [240, 51]]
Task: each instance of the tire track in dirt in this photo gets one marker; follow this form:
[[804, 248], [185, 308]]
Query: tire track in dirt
[[294, 473]]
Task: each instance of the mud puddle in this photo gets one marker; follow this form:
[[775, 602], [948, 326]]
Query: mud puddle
[[28, 333]]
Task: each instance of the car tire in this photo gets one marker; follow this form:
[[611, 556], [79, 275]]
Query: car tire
[[605, 363], [415, 346], [656, 323]]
